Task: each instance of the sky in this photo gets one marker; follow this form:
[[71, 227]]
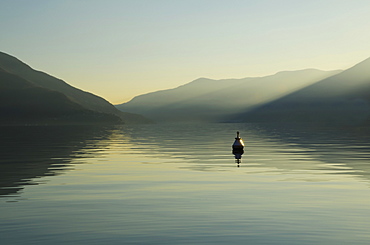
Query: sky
[[119, 49]]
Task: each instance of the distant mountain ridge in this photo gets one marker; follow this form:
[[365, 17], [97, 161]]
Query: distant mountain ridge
[[208, 100], [340, 99], [30, 96]]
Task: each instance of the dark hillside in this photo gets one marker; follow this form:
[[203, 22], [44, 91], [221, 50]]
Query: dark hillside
[[30, 96]]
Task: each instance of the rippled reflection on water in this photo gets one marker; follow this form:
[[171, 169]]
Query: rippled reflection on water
[[179, 184]]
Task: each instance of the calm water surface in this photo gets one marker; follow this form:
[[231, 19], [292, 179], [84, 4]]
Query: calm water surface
[[179, 184]]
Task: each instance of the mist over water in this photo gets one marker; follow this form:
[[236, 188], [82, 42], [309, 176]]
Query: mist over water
[[179, 184]]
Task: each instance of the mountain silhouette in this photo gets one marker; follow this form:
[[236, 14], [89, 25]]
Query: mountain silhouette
[[210, 100], [28, 96], [340, 99]]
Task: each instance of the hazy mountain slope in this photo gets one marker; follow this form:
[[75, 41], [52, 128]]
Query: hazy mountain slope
[[214, 100], [11, 81], [25, 93], [23, 103], [88, 100], [342, 98]]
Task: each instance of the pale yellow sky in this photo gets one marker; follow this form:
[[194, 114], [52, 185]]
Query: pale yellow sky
[[119, 49]]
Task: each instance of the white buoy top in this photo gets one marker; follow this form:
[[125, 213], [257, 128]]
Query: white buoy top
[[238, 143]]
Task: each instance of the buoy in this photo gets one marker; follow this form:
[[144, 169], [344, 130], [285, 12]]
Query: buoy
[[238, 148]]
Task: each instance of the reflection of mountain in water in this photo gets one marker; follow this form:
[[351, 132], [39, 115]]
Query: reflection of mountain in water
[[206, 145], [268, 147], [342, 150], [32, 152]]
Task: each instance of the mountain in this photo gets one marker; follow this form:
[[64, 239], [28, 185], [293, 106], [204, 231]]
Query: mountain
[[30, 96], [216, 100], [340, 99]]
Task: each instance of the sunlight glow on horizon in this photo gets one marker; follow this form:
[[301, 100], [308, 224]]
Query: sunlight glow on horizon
[[120, 49]]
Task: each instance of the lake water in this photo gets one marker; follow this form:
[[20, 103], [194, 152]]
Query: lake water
[[180, 184]]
